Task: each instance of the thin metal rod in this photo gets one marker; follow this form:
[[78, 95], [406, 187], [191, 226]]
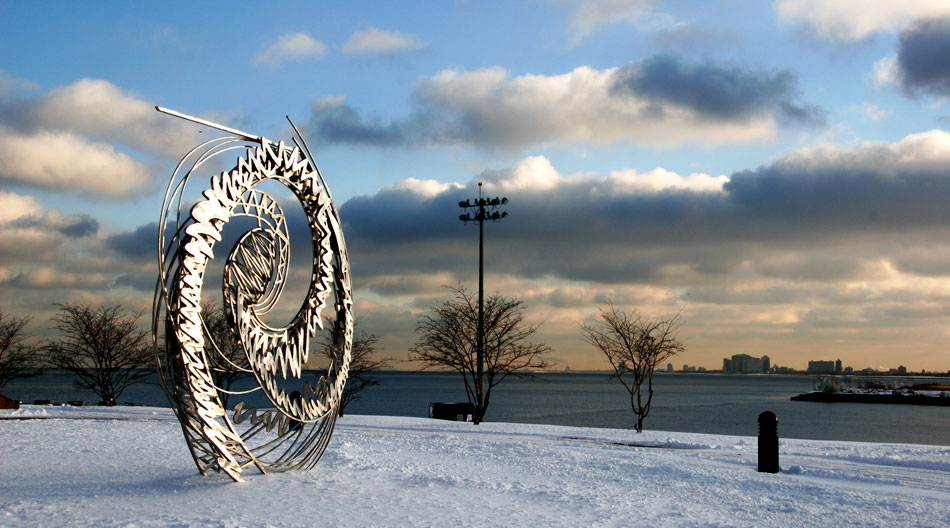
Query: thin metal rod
[[207, 123], [480, 404]]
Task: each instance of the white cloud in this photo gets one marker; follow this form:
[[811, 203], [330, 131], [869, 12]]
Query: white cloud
[[287, 48], [11, 84], [851, 20], [925, 152], [100, 109], [90, 136], [330, 101], [67, 162], [534, 173], [375, 41], [630, 181], [589, 16], [424, 188], [582, 105], [14, 206], [874, 112], [886, 72]]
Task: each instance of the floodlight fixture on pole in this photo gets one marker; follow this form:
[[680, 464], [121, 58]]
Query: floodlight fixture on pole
[[482, 209]]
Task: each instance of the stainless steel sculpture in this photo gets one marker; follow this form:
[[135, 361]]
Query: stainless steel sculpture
[[294, 433]]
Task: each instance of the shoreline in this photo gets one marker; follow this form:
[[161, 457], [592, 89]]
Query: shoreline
[[873, 397]]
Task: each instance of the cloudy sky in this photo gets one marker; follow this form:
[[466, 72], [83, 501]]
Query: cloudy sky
[[776, 172]]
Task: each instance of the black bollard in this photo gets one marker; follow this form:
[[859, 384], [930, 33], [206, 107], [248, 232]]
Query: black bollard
[[768, 442], [295, 425]]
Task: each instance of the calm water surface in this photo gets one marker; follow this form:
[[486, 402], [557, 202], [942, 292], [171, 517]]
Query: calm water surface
[[700, 403]]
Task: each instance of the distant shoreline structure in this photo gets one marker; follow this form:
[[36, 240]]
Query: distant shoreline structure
[[926, 394]]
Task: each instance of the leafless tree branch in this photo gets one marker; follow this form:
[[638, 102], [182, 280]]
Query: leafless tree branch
[[17, 358], [105, 349], [362, 360], [447, 338], [224, 351], [634, 346]]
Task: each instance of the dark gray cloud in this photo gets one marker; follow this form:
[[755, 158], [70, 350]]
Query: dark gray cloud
[[931, 260], [338, 122], [79, 226], [73, 226], [833, 197], [136, 243], [403, 215], [546, 234], [897, 315], [578, 233], [717, 91], [142, 281], [785, 221], [923, 59]]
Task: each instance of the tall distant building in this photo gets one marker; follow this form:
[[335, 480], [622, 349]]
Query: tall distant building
[[669, 367], [746, 364], [821, 367], [838, 366]]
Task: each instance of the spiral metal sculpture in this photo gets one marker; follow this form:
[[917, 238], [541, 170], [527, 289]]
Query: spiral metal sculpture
[[294, 433]]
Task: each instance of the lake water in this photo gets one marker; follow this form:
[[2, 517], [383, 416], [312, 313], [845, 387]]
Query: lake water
[[700, 403]]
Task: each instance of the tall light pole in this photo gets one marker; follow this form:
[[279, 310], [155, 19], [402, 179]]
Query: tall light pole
[[483, 209]]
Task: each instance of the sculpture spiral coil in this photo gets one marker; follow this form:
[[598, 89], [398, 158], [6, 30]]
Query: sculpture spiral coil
[[295, 433]]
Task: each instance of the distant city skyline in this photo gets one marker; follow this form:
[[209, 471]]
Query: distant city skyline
[[774, 172]]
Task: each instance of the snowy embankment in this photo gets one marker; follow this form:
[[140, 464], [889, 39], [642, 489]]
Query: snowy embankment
[[130, 467]]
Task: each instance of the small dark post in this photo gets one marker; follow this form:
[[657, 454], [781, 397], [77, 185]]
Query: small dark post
[[295, 425], [768, 442]]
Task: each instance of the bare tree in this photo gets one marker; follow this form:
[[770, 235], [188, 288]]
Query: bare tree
[[447, 338], [105, 349], [362, 362], [17, 358], [635, 347], [225, 354]]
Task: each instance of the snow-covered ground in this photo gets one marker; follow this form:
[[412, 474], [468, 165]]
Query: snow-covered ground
[[130, 467]]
